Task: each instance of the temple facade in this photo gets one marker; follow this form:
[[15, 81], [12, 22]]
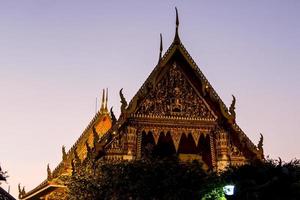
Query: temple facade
[[175, 112]]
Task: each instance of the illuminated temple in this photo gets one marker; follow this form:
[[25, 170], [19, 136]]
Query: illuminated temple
[[175, 112]]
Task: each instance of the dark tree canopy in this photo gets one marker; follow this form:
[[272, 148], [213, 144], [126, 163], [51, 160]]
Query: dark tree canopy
[[170, 179], [141, 179], [272, 179]]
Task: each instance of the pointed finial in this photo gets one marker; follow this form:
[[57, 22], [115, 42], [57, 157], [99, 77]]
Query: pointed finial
[[106, 100], [49, 173], [160, 48], [102, 102], [177, 39], [64, 153], [177, 19]]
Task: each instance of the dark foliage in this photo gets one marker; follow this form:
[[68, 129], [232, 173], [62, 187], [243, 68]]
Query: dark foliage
[[270, 180], [141, 179], [170, 179]]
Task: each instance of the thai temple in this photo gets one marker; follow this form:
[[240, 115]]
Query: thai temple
[[175, 112]]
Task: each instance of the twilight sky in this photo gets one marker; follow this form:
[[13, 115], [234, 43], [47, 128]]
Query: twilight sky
[[57, 55]]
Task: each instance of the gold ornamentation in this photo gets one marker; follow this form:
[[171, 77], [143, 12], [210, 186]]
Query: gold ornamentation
[[176, 136], [196, 135], [174, 96], [156, 135]]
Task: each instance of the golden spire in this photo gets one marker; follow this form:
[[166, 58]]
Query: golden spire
[[102, 102], [103, 109], [106, 100]]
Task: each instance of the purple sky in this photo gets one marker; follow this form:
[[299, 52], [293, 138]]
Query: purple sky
[[57, 55]]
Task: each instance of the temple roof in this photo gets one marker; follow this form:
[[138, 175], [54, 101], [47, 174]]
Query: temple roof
[[177, 51], [99, 119], [5, 195]]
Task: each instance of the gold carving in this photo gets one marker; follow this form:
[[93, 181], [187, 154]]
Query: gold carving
[[176, 136], [174, 96], [196, 136]]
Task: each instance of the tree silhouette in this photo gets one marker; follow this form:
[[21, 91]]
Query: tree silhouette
[[168, 178], [272, 179]]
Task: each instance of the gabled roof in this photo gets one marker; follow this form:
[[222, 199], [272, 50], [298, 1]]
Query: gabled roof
[[47, 185], [175, 49], [228, 115]]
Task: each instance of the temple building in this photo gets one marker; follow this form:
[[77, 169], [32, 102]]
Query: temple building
[[175, 112]]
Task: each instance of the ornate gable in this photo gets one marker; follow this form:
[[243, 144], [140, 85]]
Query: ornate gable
[[174, 95]]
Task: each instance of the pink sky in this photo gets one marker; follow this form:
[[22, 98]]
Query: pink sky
[[56, 56]]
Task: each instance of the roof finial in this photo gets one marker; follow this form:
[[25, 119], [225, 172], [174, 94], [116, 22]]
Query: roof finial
[[160, 48], [64, 154], [49, 173], [106, 100], [177, 39], [102, 103]]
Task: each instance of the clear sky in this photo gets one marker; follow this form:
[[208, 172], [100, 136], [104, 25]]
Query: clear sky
[[57, 55]]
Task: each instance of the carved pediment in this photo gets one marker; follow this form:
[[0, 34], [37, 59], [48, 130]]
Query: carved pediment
[[173, 95]]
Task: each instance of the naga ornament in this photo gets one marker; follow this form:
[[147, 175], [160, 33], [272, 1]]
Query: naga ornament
[[123, 101], [232, 107]]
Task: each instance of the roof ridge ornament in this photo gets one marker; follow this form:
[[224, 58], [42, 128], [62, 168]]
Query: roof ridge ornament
[[160, 48], [123, 102], [103, 109], [64, 154], [49, 173], [106, 100], [102, 102], [176, 38], [232, 107]]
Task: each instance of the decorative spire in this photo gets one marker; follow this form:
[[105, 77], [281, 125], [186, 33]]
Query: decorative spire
[[106, 100], [102, 102], [64, 154], [160, 48], [49, 173], [103, 109], [177, 39]]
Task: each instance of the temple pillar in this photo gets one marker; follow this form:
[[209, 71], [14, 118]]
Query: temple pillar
[[139, 144], [222, 149], [131, 144], [212, 151]]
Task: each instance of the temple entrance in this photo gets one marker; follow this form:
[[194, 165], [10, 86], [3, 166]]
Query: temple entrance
[[162, 145]]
